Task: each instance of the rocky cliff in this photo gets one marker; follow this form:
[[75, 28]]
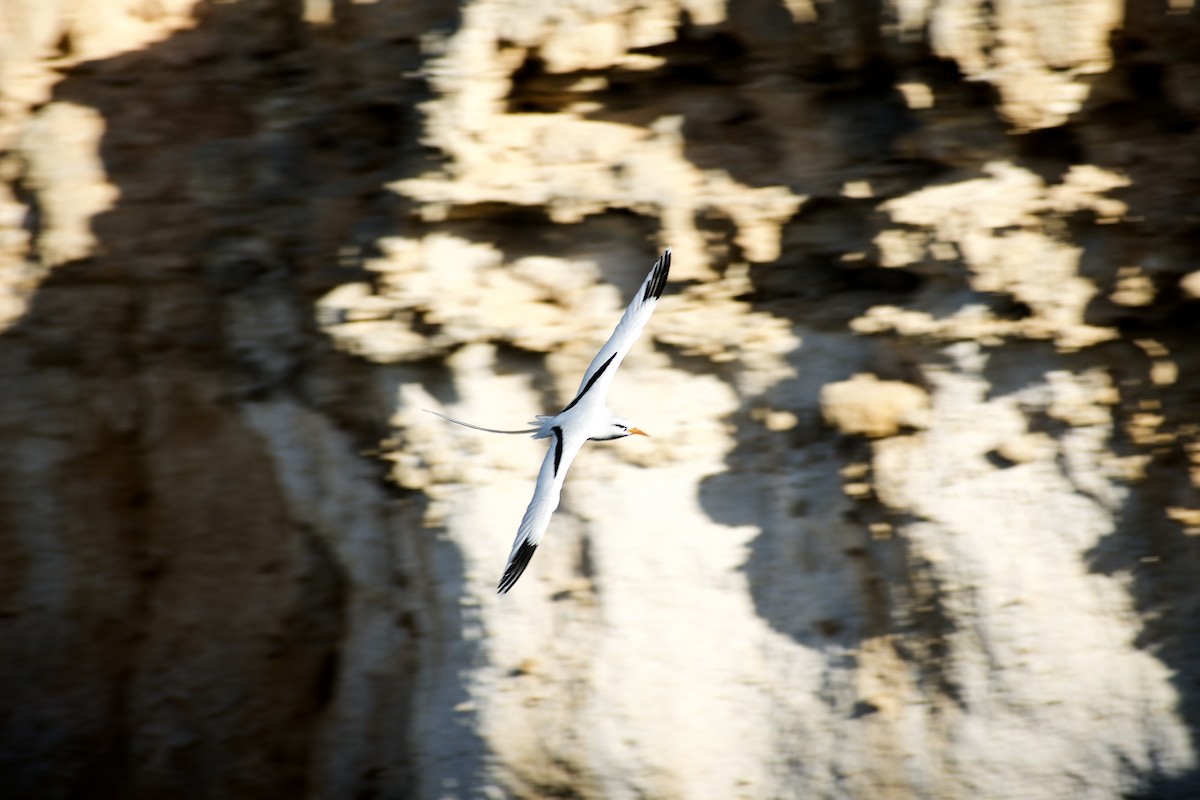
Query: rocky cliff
[[919, 517]]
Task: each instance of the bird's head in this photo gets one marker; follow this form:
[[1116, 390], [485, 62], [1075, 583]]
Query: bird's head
[[619, 428]]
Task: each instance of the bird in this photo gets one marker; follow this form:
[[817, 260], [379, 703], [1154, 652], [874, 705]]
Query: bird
[[585, 418]]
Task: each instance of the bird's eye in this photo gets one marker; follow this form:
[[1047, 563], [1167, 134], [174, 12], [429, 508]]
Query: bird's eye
[[622, 427]]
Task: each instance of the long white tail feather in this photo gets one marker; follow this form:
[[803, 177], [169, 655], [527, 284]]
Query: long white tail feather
[[477, 427]]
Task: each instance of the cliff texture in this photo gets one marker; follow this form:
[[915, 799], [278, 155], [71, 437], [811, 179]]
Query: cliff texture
[[919, 517]]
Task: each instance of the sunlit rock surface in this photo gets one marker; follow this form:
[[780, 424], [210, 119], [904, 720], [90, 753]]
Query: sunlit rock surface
[[919, 514]]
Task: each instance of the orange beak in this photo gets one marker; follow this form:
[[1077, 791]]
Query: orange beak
[[639, 432]]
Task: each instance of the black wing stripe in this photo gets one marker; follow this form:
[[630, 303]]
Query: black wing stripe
[[519, 563], [658, 278], [557, 448], [591, 382]]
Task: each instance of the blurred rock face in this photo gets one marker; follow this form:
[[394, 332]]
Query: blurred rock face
[[919, 517]]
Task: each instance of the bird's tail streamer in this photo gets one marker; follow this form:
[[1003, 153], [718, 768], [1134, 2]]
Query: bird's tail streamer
[[477, 427]]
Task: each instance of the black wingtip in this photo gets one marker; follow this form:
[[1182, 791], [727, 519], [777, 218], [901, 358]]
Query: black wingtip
[[516, 567], [658, 276]]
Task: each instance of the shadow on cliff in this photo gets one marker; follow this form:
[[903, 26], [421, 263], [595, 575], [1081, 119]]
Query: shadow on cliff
[[814, 572], [1142, 121], [825, 568], [203, 653], [771, 101]]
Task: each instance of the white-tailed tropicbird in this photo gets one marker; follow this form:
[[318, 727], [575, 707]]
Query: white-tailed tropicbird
[[586, 417]]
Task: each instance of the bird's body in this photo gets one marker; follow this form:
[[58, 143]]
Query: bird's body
[[585, 417]]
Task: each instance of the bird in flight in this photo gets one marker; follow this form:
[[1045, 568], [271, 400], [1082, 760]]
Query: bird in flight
[[585, 417]]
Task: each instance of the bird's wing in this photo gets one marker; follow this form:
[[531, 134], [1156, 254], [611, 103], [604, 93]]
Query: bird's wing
[[599, 375], [563, 449]]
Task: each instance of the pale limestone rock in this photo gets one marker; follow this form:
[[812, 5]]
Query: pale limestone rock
[[253, 566], [1037, 644], [1025, 448], [867, 406], [61, 146], [1038, 55], [997, 238], [1190, 284]]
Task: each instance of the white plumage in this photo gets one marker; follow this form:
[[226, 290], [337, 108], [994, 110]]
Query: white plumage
[[585, 417]]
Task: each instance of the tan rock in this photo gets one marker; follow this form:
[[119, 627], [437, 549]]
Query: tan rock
[[867, 406], [244, 245], [1190, 284]]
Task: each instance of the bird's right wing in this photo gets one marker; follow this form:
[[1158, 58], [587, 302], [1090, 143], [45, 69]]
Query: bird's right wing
[[599, 375], [562, 452]]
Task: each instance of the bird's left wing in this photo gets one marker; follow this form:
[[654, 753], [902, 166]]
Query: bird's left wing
[[563, 449], [599, 375]]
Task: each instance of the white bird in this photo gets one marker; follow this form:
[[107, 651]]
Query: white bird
[[586, 417]]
